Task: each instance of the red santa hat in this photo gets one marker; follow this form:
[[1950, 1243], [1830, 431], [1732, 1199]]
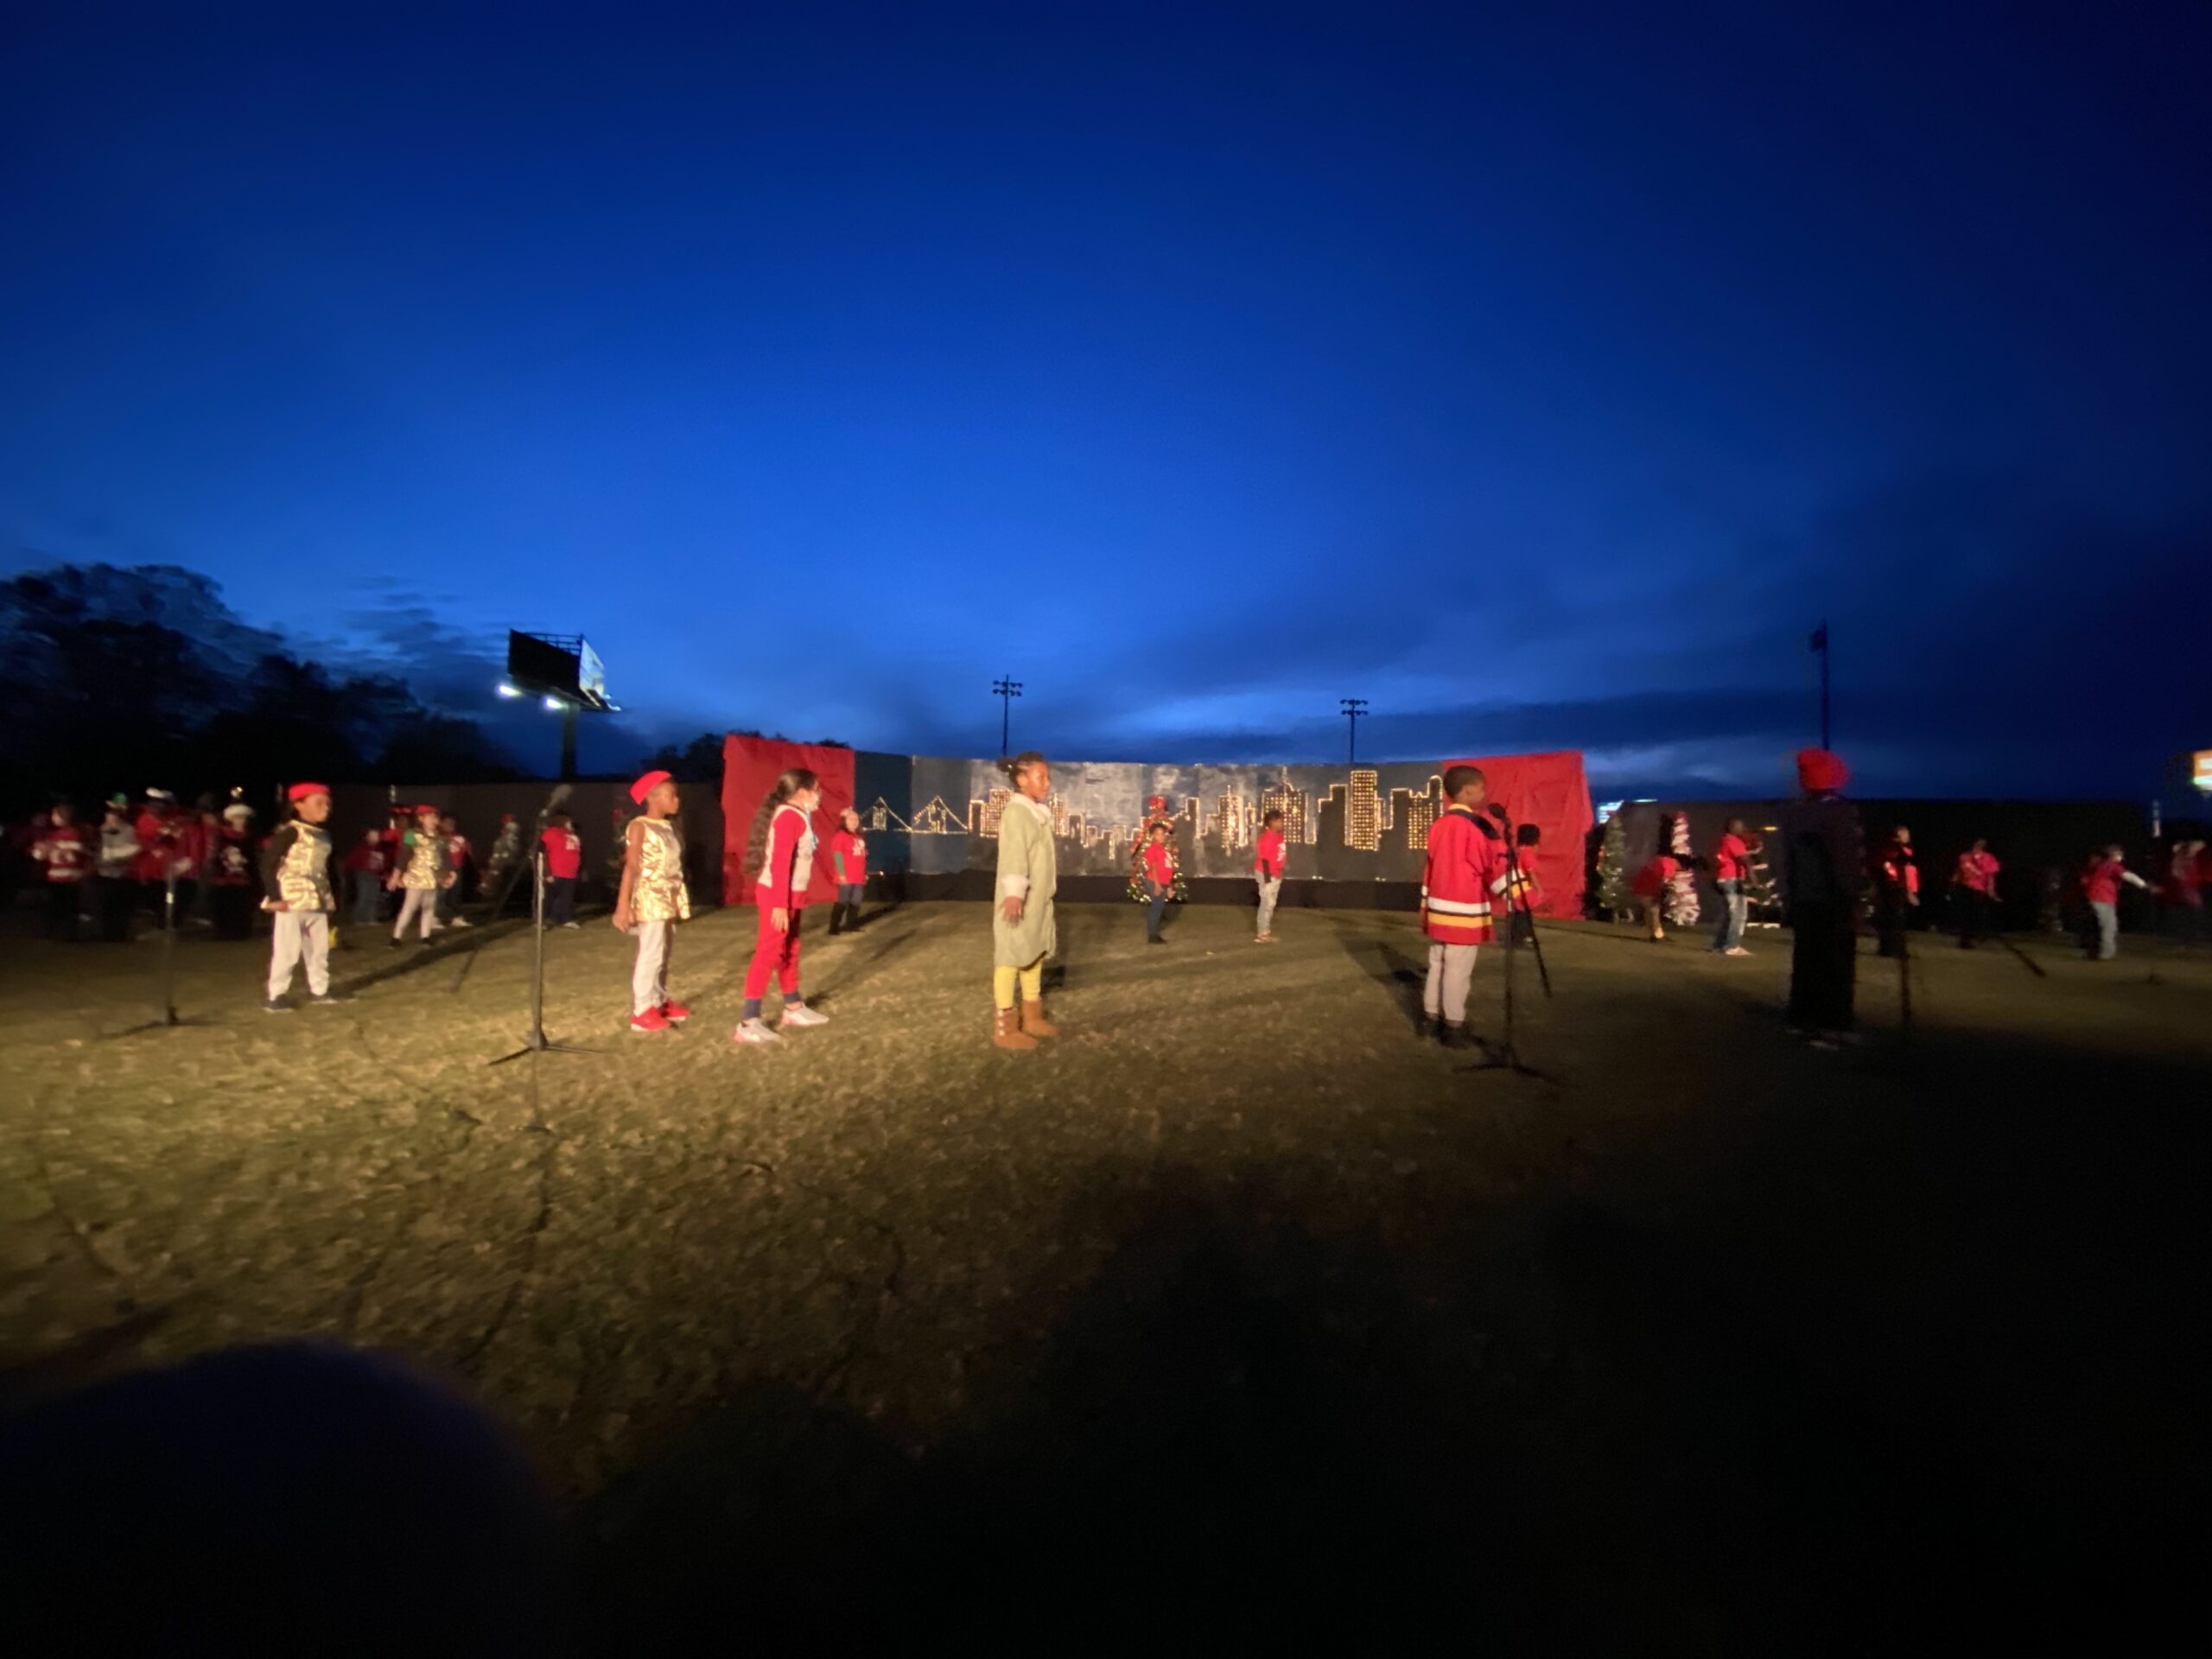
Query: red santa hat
[[238, 812], [646, 784], [1819, 773], [300, 791], [1155, 804]]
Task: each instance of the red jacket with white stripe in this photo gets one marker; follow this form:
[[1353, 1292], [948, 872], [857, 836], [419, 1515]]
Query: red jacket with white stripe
[[1466, 872], [788, 870]]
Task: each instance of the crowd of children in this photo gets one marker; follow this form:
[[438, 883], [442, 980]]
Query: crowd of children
[[205, 866]]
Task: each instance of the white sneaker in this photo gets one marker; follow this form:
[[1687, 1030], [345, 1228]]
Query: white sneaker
[[800, 1014], [752, 1031], [461, 921]]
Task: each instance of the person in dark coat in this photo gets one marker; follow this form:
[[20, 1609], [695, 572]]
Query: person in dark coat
[[1822, 871]]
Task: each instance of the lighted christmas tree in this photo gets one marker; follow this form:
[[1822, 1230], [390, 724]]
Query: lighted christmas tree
[[1682, 886], [1762, 901], [1612, 869]]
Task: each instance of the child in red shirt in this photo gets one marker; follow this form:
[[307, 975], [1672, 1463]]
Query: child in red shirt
[[1731, 862], [366, 863], [1159, 882], [1650, 885], [848, 857], [2100, 880], [1267, 872], [564, 865], [1976, 881]]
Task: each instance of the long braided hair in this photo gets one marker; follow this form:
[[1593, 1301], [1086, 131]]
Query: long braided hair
[[756, 841]]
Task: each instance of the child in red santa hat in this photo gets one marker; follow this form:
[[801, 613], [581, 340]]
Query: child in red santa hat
[[295, 876], [653, 899]]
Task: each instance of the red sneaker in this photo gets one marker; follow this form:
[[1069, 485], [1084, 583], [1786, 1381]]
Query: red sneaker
[[651, 1019], [675, 1013]]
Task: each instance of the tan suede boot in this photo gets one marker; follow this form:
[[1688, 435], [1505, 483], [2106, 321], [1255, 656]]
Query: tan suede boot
[[1034, 1022], [1006, 1030]]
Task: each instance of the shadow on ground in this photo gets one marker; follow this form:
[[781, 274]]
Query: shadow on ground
[[1807, 1380]]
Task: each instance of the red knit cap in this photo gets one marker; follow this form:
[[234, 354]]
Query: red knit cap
[[300, 791], [646, 784], [1819, 773]]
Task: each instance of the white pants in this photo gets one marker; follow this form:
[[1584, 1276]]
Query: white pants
[[413, 902], [649, 979], [1270, 891], [302, 939], [1450, 969]]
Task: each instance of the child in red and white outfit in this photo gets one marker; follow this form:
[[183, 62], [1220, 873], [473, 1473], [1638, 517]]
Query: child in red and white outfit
[[1466, 874], [780, 852], [232, 878], [1266, 872], [653, 899], [848, 860], [64, 854]]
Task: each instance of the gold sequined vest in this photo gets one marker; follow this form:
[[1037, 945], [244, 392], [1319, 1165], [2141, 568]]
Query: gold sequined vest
[[659, 894]]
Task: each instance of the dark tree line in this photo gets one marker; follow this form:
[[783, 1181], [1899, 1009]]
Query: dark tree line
[[121, 678]]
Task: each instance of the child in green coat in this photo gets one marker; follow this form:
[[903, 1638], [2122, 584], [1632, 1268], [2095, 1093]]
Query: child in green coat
[[1022, 933]]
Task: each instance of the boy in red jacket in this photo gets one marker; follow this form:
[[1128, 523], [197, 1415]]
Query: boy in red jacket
[[1158, 881], [564, 864], [1267, 872], [2100, 880], [1731, 862], [1976, 880], [1466, 873]]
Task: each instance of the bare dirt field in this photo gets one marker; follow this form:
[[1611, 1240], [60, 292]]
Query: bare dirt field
[[1236, 1314]]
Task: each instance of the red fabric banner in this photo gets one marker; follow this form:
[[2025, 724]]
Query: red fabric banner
[[1551, 791], [750, 768]]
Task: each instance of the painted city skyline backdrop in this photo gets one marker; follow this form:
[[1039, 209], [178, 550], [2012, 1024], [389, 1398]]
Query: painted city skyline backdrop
[[936, 814]]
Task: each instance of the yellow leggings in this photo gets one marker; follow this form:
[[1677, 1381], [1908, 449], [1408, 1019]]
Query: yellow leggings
[[1032, 983]]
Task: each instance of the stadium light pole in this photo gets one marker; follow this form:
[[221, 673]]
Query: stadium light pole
[[1006, 691], [1353, 708]]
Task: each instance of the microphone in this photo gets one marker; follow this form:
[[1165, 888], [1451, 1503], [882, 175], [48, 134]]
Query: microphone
[[555, 801], [1498, 812]]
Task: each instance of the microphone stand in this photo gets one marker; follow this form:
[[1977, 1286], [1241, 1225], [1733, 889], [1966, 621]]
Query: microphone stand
[[1508, 1057], [535, 1041], [169, 1015]]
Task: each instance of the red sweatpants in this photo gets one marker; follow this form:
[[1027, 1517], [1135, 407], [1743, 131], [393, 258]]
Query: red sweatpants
[[773, 953]]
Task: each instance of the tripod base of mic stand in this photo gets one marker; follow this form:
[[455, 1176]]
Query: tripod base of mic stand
[[537, 1042], [170, 1020], [1506, 1059]]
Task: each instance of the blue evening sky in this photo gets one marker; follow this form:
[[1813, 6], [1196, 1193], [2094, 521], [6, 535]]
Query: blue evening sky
[[1540, 374]]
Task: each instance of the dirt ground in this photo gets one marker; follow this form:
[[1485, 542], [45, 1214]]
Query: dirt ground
[[1236, 1314]]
